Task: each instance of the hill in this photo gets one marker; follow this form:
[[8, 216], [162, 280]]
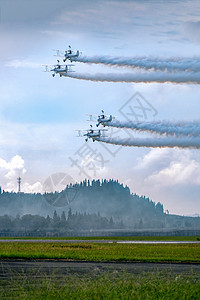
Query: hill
[[107, 198]]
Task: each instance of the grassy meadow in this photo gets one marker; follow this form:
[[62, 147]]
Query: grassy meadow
[[103, 286], [102, 251]]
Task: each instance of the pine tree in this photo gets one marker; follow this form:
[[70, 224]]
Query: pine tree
[[48, 219], [70, 214], [111, 223], [56, 218], [63, 217]]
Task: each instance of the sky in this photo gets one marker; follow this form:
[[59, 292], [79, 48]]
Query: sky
[[39, 114]]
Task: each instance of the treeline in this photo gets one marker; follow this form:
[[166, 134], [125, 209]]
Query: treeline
[[57, 223], [106, 202], [108, 197]]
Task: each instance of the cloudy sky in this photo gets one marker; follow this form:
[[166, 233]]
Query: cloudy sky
[[39, 114]]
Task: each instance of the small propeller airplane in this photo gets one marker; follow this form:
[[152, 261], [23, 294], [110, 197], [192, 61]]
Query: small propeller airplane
[[68, 54], [101, 119], [91, 133], [58, 69]]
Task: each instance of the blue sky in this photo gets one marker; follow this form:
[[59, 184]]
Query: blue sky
[[39, 113]]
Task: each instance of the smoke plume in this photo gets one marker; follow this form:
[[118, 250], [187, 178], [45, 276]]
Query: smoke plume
[[170, 142], [147, 63], [150, 77], [160, 127]]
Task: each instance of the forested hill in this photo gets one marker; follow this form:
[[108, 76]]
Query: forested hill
[[111, 198], [107, 197]]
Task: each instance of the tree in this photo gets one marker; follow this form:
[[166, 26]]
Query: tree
[[70, 214], [56, 218], [5, 223], [63, 217], [159, 207], [48, 219], [111, 223]]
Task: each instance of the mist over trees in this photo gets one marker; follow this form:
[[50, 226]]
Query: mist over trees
[[55, 225], [88, 205], [108, 197]]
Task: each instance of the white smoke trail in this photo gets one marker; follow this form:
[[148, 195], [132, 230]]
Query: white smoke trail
[[147, 63], [160, 127], [170, 142], [150, 77]]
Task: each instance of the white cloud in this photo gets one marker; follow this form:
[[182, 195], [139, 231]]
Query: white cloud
[[183, 170], [169, 167], [13, 167], [23, 63], [153, 157], [10, 170], [37, 187]]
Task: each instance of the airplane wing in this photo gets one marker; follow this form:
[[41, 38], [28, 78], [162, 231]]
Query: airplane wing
[[92, 118], [113, 117], [46, 68], [59, 52], [79, 132]]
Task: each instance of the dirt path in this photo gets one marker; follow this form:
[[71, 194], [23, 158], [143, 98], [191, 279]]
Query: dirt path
[[38, 268]]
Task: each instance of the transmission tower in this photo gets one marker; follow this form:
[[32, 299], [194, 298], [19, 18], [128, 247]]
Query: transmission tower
[[19, 183]]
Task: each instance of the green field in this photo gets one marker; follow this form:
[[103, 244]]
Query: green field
[[102, 251], [96, 284], [103, 286]]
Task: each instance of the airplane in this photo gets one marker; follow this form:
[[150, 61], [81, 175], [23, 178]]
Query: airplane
[[91, 133], [101, 119], [68, 54], [59, 69]]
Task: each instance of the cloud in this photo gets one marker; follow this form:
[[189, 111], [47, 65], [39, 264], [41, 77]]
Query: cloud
[[13, 167], [37, 187], [22, 63], [182, 171], [102, 15], [154, 156], [192, 31], [10, 170], [169, 167]]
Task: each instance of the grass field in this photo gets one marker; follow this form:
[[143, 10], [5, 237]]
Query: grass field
[[106, 286], [102, 251]]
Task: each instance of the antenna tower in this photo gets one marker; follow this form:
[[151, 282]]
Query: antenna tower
[[19, 183]]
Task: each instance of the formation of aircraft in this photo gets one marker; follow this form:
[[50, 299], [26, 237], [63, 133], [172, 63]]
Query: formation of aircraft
[[62, 70], [95, 134], [91, 133], [58, 69]]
